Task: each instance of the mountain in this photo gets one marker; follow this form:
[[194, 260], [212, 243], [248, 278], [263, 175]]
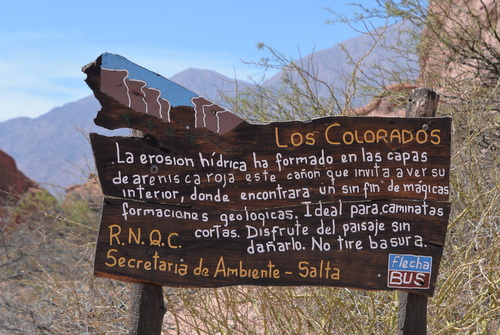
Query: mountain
[[12, 181], [367, 59], [53, 149], [207, 83]]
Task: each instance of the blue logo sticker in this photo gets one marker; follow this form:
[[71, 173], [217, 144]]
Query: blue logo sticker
[[409, 271]]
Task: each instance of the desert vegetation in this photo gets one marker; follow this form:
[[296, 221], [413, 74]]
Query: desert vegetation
[[46, 245]]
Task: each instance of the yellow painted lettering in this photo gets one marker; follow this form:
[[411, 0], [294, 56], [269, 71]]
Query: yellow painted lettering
[[170, 245], [112, 257], [297, 139], [276, 136], [310, 140], [435, 134], [382, 136], [114, 234], [327, 136]]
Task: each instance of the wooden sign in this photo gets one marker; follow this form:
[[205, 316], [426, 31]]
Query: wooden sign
[[207, 199]]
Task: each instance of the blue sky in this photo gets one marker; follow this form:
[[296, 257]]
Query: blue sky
[[44, 44]]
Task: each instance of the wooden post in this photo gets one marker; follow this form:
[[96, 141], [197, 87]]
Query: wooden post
[[147, 310], [147, 304], [412, 317], [422, 102]]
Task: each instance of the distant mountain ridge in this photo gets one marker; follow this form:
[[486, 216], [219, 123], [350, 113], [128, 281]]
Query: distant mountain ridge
[[53, 149], [365, 62], [208, 83]]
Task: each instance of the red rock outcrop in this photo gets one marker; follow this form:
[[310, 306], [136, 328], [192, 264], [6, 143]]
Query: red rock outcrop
[[461, 48], [461, 43], [12, 181], [13, 185]]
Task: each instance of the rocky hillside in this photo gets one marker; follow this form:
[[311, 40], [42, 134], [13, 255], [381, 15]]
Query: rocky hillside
[[12, 180], [14, 185], [470, 53], [53, 149]]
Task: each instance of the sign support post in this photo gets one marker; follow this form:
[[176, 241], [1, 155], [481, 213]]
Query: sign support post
[[147, 305], [412, 316], [147, 309]]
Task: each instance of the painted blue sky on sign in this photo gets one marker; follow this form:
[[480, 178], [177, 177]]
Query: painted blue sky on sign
[[173, 92], [44, 44]]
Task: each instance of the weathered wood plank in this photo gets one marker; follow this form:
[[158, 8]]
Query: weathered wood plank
[[412, 316], [166, 244], [243, 160]]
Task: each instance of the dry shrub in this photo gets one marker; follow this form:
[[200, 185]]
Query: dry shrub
[[46, 277]]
